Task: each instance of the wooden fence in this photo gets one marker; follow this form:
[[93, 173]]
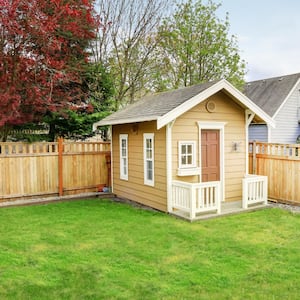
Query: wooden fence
[[281, 163], [49, 169]]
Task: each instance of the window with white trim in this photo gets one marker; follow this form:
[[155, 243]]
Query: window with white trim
[[187, 165], [149, 159], [124, 156], [187, 154]]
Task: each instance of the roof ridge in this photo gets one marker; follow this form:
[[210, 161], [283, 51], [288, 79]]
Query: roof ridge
[[273, 78]]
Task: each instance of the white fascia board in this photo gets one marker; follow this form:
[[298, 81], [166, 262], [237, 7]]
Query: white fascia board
[[125, 121], [286, 99], [187, 105], [222, 84], [249, 104]]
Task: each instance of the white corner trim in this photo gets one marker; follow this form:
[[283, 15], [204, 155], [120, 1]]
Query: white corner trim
[[249, 115], [169, 163], [111, 160]]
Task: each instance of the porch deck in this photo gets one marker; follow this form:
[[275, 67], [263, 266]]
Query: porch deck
[[227, 208], [196, 201]]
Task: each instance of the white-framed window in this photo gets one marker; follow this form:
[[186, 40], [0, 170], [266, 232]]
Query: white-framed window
[[149, 159], [124, 156], [187, 154], [187, 163]]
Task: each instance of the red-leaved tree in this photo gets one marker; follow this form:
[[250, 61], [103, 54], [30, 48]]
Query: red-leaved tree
[[43, 48]]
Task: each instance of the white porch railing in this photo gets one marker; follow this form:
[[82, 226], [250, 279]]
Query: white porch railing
[[196, 198], [255, 190]]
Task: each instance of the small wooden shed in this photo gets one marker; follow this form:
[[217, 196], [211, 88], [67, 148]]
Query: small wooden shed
[[186, 151]]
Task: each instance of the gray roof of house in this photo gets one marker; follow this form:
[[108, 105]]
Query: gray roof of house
[[270, 93], [157, 105]]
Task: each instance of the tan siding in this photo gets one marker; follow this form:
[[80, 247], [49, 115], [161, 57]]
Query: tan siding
[[186, 128], [134, 188]]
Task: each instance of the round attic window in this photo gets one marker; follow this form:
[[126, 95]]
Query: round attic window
[[211, 106]]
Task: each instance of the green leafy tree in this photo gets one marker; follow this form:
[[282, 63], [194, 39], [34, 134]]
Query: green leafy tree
[[99, 83], [71, 124], [77, 123], [194, 46]]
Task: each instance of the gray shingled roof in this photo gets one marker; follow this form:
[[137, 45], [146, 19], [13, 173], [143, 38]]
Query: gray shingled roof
[[270, 93], [157, 105]]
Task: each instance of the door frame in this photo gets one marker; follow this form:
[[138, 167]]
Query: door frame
[[209, 125]]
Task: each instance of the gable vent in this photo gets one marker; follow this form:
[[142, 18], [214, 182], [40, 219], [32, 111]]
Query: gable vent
[[211, 106]]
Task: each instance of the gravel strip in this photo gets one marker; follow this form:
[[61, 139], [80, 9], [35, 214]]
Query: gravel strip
[[289, 207]]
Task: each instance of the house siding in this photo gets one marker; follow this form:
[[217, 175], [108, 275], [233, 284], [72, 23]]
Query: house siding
[[134, 188], [186, 128], [287, 127], [258, 132]]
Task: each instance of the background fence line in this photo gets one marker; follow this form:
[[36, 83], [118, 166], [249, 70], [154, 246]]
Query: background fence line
[[68, 168], [49, 169], [281, 163]]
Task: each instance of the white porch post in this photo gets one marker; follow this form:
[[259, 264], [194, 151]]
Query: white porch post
[[218, 199], [249, 115], [245, 194], [169, 164], [193, 202], [265, 191], [112, 159]]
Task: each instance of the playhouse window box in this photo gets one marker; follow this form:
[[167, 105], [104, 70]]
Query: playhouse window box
[[188, 171]]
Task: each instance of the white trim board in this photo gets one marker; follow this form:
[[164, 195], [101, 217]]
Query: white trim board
[[221, 85], [163, 120], [286, 99]]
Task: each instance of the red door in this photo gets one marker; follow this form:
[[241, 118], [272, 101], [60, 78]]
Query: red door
[[210, 152]]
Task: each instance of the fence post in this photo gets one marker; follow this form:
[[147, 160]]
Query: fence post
[[60, 166]]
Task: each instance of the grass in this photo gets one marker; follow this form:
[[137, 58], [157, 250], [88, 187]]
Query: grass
[[97, 249]]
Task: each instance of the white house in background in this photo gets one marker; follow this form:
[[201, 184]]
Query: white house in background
[[279, 97]]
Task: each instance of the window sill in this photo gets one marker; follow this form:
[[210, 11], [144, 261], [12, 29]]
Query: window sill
[[188, 172]]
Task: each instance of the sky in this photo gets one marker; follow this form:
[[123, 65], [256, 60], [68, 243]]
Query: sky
[[268, 34]]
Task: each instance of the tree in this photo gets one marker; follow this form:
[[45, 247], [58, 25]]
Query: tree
[[194, 46], [125, 42], [77, 122], [43, 50]]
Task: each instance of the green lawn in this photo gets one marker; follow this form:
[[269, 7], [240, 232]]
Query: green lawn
[[97, 249]]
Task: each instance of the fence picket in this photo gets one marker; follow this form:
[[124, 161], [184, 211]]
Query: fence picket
[[281, 163], [57, 168]]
